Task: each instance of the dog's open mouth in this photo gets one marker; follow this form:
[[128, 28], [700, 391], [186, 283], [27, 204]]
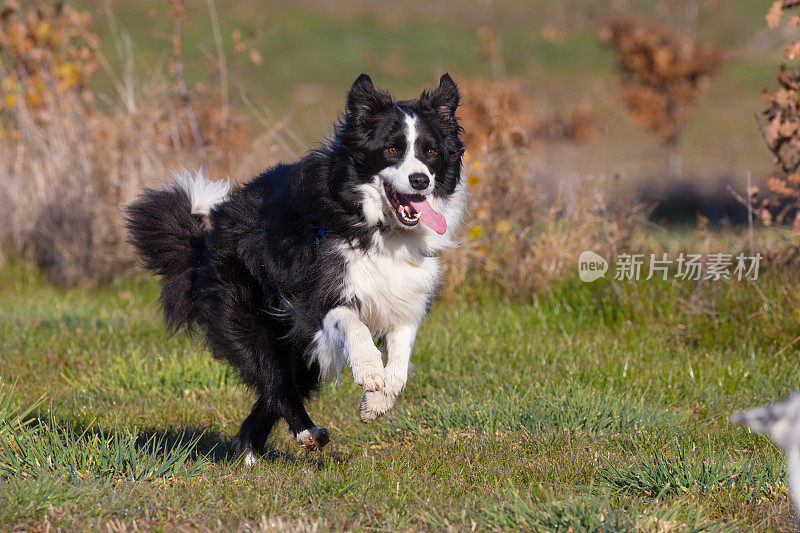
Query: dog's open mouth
[[401, 205], [410, 209]]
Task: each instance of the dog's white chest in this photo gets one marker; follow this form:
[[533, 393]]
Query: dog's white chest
[[391, 290]]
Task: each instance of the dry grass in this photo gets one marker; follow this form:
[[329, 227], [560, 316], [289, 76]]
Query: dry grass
[[65, 179], [496, 115], [520, 238], [69, 164], [73, 163], [63, 182]]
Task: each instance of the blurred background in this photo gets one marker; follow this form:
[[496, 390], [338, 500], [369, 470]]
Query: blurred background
[[608, 125]]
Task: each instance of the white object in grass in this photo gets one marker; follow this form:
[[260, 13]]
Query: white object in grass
[[781, 422]]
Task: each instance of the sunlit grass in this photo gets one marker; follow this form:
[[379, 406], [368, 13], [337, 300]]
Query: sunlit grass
[[590, 407]]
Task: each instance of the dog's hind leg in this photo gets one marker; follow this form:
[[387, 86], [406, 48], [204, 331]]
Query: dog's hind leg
[[282, 400], [249, 442], [237, 331], [290, 405]]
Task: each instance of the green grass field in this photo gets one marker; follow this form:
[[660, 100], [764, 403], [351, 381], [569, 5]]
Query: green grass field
[[593, 407], [590, 407]]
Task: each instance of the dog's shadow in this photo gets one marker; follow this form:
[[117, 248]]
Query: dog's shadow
[[218, 447], [203, 443]]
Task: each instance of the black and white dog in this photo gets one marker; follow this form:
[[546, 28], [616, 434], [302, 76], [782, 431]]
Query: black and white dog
[[315, 263]]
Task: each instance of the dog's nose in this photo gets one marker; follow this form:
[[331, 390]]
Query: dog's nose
[[419, 181]]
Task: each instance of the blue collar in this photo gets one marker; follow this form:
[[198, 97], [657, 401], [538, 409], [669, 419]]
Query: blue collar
[[320, 233]]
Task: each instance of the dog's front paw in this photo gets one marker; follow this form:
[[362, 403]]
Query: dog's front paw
[[370, 381], [375, 404], [369, 372]]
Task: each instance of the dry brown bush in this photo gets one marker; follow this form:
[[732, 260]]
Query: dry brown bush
[[69, 165], [520, 244], [496, 113], [663, 73], [780, 129], [63, 181], [516, 240], [47, 50]]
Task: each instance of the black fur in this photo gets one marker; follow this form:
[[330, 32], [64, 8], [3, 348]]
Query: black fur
[[260, 281], [171, 242]]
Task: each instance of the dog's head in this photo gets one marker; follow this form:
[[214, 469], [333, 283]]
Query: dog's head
[[406, 154]]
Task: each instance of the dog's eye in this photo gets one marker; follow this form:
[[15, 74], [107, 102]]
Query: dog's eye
[[391, 150], [431, 152]]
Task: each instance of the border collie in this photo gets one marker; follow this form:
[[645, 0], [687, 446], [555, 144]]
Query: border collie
[[316, 263]]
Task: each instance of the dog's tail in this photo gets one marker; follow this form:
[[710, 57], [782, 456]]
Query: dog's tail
[[167, 229]]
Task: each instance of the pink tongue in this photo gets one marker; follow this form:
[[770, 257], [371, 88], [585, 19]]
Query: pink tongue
[[434, 220]]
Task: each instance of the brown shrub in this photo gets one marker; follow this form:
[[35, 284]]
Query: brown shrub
[[662, 71], [780, 129], [517, 242], [48, 50], [68, 165], [515, 239], [63, 182], [496, 114]]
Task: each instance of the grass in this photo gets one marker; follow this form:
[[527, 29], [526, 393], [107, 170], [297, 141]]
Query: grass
[[592, 407], [43, 449], [582, 516], [660, 474]]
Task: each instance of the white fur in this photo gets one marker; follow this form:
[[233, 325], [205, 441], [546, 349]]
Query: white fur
[[399, 343], [313, 433], [373, 202], [391, 288], [793, 468], [203, 193], [249, 459], [303, 436], [397, 176], [393, 281], [345, 338], [781, 421]]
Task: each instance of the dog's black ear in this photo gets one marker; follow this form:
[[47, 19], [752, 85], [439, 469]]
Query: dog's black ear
[[364, 101], [444, 100]]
